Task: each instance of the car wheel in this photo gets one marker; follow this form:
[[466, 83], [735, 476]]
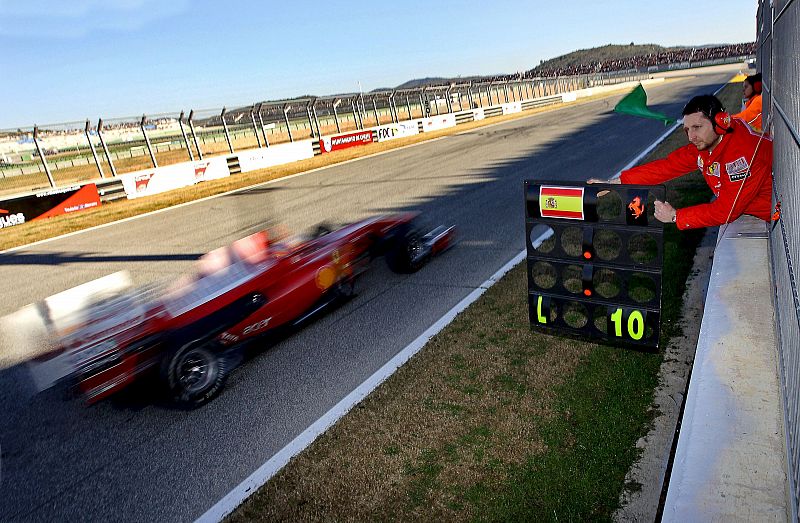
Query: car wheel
[[407, 253], [194, 373]]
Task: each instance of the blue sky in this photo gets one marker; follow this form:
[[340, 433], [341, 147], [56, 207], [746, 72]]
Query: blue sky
[[70, 60]]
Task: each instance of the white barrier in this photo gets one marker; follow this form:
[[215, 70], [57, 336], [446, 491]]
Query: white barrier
[[397, 130], [161, 179], [434, 123], [512, 107], [478, 114], [254, 159]]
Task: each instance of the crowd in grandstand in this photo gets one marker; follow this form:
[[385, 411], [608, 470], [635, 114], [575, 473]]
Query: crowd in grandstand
[[642, 62]]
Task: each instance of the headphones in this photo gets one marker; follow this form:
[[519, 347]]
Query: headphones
[[757, 86], [722, 122]]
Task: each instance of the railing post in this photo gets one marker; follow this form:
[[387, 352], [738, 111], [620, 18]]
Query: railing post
[[392, 110], [185, 138], [147, 142], [314, 113], [105, 147], [447, 101], [423, 110], [408, 107], [469, 96], [255, 126], [91, 147], [336, 114], [310, 120], [194, 135], [225, 130], [261, 123], [41, 156], [375, 111], [286, 109]]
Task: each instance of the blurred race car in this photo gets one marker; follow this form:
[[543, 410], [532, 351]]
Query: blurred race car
[[105, 334]]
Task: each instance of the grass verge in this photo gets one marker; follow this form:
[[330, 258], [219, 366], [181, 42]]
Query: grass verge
[[39, 230], [491, 421]]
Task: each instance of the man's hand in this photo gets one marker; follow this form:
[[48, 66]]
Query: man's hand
[[665, 212], [600, 194]]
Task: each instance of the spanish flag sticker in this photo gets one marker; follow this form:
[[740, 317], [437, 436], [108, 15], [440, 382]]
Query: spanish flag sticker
[[561, 202]]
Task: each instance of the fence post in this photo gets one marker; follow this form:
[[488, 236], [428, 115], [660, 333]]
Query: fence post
[[286, 109], [316, 120], [261, 123], [408, 107], [375, 111], [185, 138], [447, 101], [194, 134], [41, 156], [91, 147], [225, 129], [469, 96], [147, 142], [336, 115], [310, 120], [105, 148], [392, 109], [255, 127]]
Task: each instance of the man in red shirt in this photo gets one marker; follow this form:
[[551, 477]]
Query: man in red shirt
[[735, 161]]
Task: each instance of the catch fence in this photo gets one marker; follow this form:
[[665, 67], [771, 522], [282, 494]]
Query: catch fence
[[778, 46]]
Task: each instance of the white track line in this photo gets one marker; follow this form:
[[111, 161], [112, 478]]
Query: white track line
[[258, 478], [265, 472]]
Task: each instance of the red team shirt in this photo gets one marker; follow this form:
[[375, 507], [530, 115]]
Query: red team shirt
[[724, 169]]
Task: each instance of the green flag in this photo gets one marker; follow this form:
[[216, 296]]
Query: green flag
[[635, 103]]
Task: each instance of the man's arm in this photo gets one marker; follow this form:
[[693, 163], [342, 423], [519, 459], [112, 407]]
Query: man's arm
[[679, 162], [722, 210], [752, 111]]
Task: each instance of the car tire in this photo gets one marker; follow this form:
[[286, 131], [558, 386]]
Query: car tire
[[405, 252], [195, 373]]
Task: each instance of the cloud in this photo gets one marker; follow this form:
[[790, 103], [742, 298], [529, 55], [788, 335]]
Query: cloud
[[54, 19]]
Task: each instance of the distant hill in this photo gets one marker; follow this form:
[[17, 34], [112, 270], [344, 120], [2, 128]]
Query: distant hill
[[600, 54], [421, 82]]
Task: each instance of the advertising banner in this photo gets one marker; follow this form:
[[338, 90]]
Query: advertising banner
[[161, 179], [46, 204], [275, 155], [211, 169], [513, 107], [343, 141], [478, 114], [434, 123], [397, 130]]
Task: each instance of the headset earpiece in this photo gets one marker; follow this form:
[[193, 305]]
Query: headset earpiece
[[757, 87], [722, 123]]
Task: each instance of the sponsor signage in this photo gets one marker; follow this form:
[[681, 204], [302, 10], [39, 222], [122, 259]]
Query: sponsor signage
[[47, 204], [513, 107], [275, 155], [161, 179], [595, 261], [397, 130], [434, 123], [478, 114], [344, 141]]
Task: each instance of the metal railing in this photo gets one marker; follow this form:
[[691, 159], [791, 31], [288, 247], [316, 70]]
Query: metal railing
[[50, 155], [778, 26]]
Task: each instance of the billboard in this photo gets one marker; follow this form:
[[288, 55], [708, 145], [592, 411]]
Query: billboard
[[254, 159], [46, 204], [161, 179], [397, 130], [343, 141]]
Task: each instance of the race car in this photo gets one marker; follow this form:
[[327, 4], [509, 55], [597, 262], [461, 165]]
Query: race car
[[104, 335]]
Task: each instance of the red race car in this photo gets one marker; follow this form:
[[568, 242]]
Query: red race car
[[105, 334]]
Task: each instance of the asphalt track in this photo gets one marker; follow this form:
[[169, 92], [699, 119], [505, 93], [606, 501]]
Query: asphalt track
[[135, 459]]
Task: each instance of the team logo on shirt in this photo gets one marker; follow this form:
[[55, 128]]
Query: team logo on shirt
[[737, 170], [713, 169], [700, 162]]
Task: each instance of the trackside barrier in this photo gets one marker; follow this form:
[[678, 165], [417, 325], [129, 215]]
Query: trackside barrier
[[160, 179], [436, 123], [397, 130], [110, 190], [254, 159], [511, 108], [465, 117]]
